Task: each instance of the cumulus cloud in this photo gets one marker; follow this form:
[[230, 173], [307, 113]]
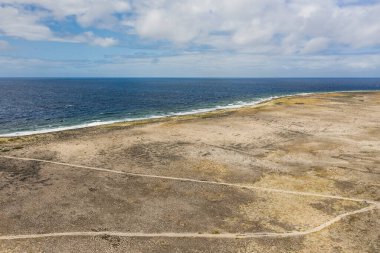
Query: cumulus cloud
[[26, 19], [18, 23], [253, 24], [285, 34], [89, 37], [315, 45], [87, 12], [258, 25]]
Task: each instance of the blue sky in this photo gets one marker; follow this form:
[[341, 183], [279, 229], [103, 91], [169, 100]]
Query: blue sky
[[190, 38]]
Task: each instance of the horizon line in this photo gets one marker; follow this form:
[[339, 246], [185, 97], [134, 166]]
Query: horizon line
[[182, 77]]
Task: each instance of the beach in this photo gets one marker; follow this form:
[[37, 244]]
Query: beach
[[292, 174]]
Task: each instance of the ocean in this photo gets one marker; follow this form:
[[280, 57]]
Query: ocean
[[37, 105]]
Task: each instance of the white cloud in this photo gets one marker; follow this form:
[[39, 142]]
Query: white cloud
[[209, 37], [199, 64], [257, 24], [244, 26], [16, 20], [315, 45], [104, 42], [89, 37], [21, 24], [87, 12]]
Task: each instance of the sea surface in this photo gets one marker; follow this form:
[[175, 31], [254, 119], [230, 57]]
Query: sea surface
[[36, 105]]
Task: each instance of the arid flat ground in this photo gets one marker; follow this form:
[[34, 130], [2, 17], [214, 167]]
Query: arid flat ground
[[295, 174]]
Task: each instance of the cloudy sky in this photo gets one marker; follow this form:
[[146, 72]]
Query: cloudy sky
[[202, 38]]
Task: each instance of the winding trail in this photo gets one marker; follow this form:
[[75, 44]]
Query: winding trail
[[373, 205], [193, 180], [196, 235]]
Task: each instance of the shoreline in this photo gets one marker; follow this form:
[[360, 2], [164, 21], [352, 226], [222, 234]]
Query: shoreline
[[291, 167], [178, 115]]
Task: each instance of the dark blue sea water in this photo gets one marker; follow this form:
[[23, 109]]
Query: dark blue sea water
[[40, 105]]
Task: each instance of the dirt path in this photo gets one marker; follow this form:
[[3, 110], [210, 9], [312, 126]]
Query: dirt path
[[326, 224], [196, 235], [194, 180]]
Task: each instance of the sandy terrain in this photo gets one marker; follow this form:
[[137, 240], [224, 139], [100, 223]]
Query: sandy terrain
[[295, 174]]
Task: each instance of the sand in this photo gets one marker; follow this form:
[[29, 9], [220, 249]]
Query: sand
[[218, 177]]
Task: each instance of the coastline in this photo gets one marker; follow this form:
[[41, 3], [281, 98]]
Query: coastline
[[232, 107], [289, 167]]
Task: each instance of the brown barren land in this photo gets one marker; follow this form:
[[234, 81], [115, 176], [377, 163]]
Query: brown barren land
[[294, 174]]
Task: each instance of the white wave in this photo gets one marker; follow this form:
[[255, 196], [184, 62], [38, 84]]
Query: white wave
[[234, 105]]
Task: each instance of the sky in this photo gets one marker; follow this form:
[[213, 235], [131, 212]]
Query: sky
[[189, 38]]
